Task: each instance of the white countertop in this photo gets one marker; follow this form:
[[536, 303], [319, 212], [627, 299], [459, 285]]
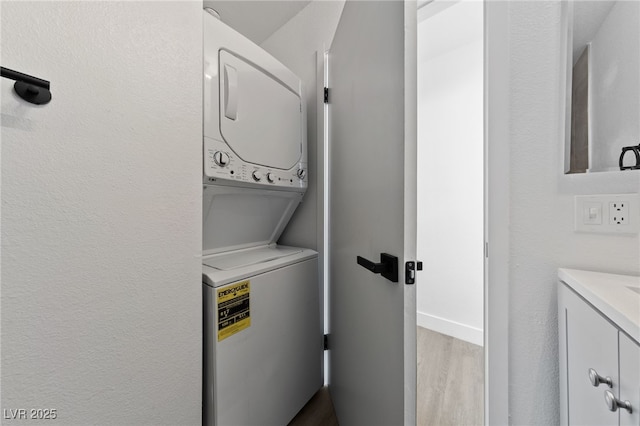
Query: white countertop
[[616, 296]]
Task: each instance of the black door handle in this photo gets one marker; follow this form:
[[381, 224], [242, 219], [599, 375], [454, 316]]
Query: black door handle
[[388, 266]]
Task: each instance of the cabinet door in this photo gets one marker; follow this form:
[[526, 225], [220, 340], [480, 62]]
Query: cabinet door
[[592, 342], [629, 380]]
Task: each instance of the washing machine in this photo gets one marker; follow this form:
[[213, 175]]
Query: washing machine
[[263, 335]]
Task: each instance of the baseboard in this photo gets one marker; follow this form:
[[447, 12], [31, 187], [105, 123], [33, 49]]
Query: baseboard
[[451, 328]]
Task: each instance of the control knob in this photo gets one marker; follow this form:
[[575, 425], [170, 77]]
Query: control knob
[[221, 158], [257, 176], [271, 177], [301, 173]]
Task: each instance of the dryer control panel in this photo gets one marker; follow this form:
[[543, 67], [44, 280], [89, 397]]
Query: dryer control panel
[[221, 162]]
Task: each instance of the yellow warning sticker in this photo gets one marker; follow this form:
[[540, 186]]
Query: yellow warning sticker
[[233, 309]]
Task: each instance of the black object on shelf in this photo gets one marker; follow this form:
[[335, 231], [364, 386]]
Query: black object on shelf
[[636, 152], [29, 88]]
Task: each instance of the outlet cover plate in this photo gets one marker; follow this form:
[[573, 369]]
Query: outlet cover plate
[[596, 214]]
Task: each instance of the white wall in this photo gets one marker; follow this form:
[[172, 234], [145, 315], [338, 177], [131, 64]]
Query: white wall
[[101, 213], [450, 172], [300, 45], [615, 85], [541, 237], [295, 44]]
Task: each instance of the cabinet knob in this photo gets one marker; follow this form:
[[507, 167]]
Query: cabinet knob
[[614, 403], [597, 380]]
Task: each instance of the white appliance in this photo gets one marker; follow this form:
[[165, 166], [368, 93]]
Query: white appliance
[[263, 336]]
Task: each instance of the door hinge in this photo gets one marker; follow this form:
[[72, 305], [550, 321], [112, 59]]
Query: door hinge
[[326, 95], [326, 342], [410, 269]]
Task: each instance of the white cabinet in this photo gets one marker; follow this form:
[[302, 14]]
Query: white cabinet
[[595, 358]]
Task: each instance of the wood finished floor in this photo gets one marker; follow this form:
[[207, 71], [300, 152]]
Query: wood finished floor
[[450, 386], [450, 381], [318, 411]]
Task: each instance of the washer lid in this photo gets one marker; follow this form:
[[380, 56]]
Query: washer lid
[[260, 116], [239, 259], [215, 277]]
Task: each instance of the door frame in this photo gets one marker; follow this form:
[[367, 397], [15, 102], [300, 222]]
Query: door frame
[[411, 200], [496, 209]]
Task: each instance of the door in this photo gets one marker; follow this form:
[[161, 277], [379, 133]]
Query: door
[[372, 165]]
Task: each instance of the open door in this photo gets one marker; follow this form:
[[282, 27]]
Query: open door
[[372, 210]]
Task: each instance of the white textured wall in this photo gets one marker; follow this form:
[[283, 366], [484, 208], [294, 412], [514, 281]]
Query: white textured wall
[[450, 172], [615, 85], [541, 213], [295, 44], [101, 213], [299, 45]]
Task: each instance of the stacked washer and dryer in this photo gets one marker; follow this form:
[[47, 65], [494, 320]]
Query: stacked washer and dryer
[[262, 353]]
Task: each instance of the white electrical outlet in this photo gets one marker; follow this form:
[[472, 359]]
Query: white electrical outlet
[[607, 214], [618, 213]]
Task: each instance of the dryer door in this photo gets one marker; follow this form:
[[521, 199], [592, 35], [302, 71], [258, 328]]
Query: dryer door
[[260, 117]]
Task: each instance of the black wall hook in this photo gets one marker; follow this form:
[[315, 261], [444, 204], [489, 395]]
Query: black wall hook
[[29, 88]]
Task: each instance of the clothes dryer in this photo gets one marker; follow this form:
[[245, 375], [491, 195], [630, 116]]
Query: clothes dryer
[[255, 121]]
